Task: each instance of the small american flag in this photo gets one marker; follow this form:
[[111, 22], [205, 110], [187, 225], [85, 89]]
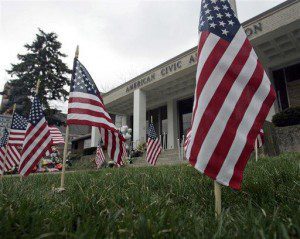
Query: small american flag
[[100, 158], [17, 130], [260, 138], [115, 144], [56, 135], [13, 156], [233, 96], [3, 143], [37, 139], [85, 103], [86, 108], [187, 140], [153, 146]]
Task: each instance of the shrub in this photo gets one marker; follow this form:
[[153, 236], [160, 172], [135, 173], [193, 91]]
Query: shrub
[[289, 116], [89, 151]]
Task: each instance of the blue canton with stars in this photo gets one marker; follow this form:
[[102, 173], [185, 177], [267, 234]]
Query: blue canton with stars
[[3, 140], [82, 80], [151, 132], [19, 122], [218, 18], [36, 112]]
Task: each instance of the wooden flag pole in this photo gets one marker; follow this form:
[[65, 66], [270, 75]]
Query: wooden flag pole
[[218, 200], [256, 150], [63, 171]]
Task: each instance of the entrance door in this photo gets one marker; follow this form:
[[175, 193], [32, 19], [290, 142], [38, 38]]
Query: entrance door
[[185, 108]]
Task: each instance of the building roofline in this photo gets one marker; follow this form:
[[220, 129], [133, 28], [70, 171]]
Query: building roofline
[[269, 12], [246, 23]]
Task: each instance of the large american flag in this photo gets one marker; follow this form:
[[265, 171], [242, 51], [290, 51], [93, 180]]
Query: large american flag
[[86, 108], [233, 96], [3, 143], [153, 146], [56, 135], [37, 139], [17, 130], [100, 158]]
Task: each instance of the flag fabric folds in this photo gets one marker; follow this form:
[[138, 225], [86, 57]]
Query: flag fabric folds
[[232, 98], [3, 143], [56, 135], [187, 140], [153, 146], [115, 144], [86, 108], [17, 130], [100, 158], [13, 156], [37, 139]]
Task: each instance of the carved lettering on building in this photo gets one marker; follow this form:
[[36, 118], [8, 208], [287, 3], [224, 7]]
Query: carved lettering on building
[[140, 82], [254, 29]]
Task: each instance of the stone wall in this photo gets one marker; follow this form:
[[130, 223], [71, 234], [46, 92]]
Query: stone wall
[[288, 138]]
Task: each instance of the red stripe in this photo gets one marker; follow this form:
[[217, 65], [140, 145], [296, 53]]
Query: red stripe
[[202, 40], [208, 67], [237, 177], [88, 113], [86, 101], [219, 97], [215, 163]]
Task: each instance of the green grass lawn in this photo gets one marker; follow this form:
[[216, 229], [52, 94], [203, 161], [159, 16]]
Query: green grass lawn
[[160, 202]]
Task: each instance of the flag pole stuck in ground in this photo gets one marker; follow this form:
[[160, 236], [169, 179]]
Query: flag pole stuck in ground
[[63, 171]]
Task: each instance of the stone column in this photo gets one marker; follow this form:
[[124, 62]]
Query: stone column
[[124, 120], [139, 116], [95, 136], [172, 124]]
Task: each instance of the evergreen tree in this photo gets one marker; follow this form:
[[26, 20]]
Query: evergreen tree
[[43, 61]]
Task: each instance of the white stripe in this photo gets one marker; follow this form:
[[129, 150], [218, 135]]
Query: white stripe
[[219, 124], [86, 106], [240, 139], [213, 82], [91, 119], [34, 157], [77, 94]]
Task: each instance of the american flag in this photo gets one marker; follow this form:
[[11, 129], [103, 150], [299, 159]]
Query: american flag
[[115, 144], [100, 158], [85, 103], [153, 146], [86, 108], [3, 143], [260, 138], [37, 139], [187, 140], [56, 135], [233, 96], [13, 156], [17, 130]]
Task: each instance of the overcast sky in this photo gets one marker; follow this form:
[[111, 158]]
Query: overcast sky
[[118, 39]]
